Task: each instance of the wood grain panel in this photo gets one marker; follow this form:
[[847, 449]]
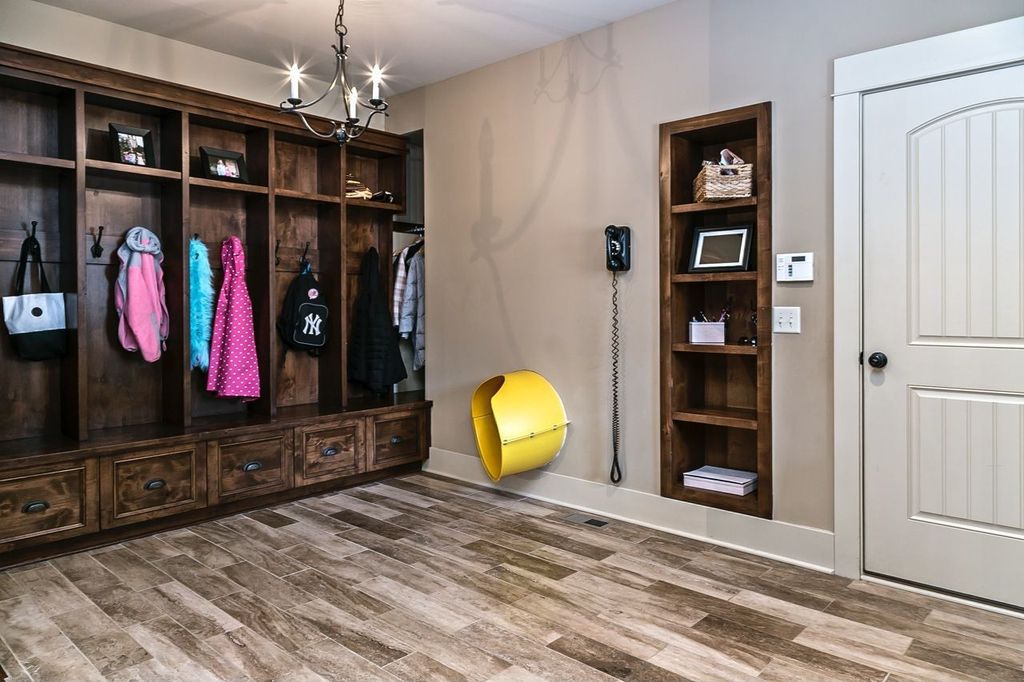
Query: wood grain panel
[[46, 504], [395, 439], [124, 479], [243, 466], [330, 451]]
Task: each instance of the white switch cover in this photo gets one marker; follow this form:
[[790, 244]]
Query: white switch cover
[[786, 320]]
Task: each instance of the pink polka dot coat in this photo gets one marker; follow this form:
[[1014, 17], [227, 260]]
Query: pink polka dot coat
[[234, 368]]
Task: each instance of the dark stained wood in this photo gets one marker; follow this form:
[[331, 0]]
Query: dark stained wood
[[244, 466], [332, 451], [396, 438], [35, 160], [117, 169], [48, 504], [28, 554], [727, 349], [104, 405], [716, 400], [703, 206], [138, 486]]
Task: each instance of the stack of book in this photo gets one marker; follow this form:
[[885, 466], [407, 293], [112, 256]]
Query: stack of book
[[721, 480]]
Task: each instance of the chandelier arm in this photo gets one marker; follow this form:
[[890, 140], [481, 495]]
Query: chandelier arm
[[324, 136]]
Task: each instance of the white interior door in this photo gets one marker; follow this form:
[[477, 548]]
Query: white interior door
[[943, 179]]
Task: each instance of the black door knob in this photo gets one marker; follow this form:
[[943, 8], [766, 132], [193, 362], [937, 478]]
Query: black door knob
[[878, 360]]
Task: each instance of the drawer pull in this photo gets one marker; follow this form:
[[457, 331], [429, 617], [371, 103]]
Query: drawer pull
[[155, 484], [35, 506], [396, 440], [252, 466], [329, 451]]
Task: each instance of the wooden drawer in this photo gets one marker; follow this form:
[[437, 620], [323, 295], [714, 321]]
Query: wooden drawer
[[249, 465], [148, 484], [43, 504], [329, 451], [396, 438]]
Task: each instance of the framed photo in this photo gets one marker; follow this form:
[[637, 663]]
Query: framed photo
[[220, 164], [721, 249], [133, 146]]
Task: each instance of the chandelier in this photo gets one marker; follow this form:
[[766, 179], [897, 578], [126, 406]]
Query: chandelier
[[349, 128]]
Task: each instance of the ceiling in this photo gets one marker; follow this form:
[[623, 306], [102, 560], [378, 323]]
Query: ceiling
[[418, 41]]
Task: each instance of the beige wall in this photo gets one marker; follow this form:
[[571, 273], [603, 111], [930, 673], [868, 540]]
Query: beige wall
[[77, 36], [527, 160]]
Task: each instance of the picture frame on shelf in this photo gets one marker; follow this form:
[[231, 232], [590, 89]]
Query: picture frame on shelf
[[131, 145], [721, 249], [221, 164]]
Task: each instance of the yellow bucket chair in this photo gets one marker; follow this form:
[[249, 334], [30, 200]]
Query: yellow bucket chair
[[520, 423]]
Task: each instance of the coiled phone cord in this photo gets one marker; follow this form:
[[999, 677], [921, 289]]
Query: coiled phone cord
[[616, 472]]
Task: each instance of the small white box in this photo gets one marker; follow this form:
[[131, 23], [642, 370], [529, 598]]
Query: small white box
[[707, 333]]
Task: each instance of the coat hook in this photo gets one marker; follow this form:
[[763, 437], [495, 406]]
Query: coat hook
[[34, 223], [305, 252], [277, 249], [97, 248], [195, 235]]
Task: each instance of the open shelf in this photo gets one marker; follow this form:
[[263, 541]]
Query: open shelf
[[125, 170], [732, 417], [724, 349], [38, 161], [744, 504], [376, 205], [229, 186], [716, 399], [701, 277], [307, 196], [707, 206]]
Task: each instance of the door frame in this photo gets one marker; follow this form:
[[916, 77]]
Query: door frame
[[972, 50]]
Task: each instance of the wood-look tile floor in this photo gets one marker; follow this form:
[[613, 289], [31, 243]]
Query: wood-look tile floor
[[421, 578]]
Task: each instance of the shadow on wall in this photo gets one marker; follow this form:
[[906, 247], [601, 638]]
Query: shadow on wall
[[489, 234]]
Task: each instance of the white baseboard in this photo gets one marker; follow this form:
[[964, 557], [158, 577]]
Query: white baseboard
[[800, 545]]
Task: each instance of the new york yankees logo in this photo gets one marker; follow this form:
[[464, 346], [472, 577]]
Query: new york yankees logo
[[313, 322]]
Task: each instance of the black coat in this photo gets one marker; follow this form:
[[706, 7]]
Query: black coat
[[374, 358]]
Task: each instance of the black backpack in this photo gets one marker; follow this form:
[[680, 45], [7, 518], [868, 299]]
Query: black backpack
[[303, 320]]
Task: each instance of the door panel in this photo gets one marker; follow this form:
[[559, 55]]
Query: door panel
[[944, 300]]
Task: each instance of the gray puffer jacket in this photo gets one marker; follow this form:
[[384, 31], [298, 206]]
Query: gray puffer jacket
[[411, 321]]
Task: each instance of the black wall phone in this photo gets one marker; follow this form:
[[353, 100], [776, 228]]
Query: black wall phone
[[616, 248], [617, 259]]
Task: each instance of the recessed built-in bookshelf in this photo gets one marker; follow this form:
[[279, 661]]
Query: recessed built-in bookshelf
[[716, 399]]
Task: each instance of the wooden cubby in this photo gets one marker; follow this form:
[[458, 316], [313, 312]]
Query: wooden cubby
[[716, 400], [370, 224], [56, 169]]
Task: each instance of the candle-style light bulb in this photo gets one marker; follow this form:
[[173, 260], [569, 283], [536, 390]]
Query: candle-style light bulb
[[293, 76], [377, 77], [353, 104]]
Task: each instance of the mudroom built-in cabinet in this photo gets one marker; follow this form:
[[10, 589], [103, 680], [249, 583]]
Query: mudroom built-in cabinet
[[100, 445]]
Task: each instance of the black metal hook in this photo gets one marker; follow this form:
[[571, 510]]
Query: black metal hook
[[34, 223], [277, 249], [97, 248], [305, 252]]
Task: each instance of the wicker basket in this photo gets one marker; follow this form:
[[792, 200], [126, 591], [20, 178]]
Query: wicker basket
[[711, 185]]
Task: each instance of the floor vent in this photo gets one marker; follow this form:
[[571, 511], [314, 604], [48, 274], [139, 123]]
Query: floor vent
[[589, 520]]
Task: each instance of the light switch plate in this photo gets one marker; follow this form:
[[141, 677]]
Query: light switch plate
[[786, 320]]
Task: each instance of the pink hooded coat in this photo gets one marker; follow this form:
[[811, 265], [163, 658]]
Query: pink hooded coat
[[143, 323], [234, 369]]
